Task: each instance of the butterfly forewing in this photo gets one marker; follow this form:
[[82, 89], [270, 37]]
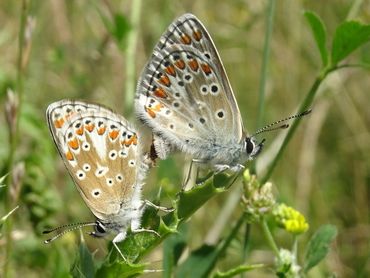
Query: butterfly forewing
[[184, 93], [99, 149]]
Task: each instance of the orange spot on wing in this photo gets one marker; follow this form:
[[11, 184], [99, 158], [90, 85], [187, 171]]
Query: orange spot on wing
[[160, 92], [206, 69], [69, 156], [101, 130], [73, 144], [113, 134], [180, 64], [150, 112], [132, 140], [80, 131], [59, 123], [193, 64], [165, 80], [185, 39], [171, 70], [197, 35], [90, 127], [157, 107]]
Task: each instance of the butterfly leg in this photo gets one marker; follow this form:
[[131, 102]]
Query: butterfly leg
[[141, 230], [189, 175], [223, 167], [237, 169], [150, 204], [120, 237], [135, 225]]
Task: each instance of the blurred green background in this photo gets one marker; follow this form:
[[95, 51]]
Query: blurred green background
[[78, 49]]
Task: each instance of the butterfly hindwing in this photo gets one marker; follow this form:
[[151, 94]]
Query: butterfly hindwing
[[184, 93], [99, 149]]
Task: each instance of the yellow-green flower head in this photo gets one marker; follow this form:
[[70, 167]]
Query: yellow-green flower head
[[257, 200], [290, 219]]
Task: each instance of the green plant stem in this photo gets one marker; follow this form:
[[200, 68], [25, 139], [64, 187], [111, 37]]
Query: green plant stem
[[310, 96], [131, 56], [265, 60], [225, 243], [354, 9], [261, 93], [295, 246], [238, 270], [13, 137], [270, 240]]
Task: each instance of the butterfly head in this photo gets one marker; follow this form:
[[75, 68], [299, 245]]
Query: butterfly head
[[100, 230], [251, 147]]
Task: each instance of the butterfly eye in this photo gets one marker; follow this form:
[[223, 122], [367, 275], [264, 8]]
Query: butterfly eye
[[249, 145], [99, 229]]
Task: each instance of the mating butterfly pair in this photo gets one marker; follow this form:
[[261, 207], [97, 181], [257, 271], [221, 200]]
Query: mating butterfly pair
[[184, 96]]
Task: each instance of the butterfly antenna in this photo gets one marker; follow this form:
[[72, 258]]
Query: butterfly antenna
[[66, 229], [271, 127]]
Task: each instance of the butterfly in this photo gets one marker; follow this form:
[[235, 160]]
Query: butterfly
[[185, 97], [104, 155]]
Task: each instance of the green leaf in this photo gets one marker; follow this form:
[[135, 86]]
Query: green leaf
[[237, 270], [348, 36], [173, 248], [120, 269], [2, 179], [121, 28], [319, 33], [83, 265], [318, 247], [190, 201], [199, 263], [5, 217]]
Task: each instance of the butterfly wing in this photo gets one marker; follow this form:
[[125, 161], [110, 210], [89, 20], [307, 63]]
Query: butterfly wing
[[184, 94], [100, 151]]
